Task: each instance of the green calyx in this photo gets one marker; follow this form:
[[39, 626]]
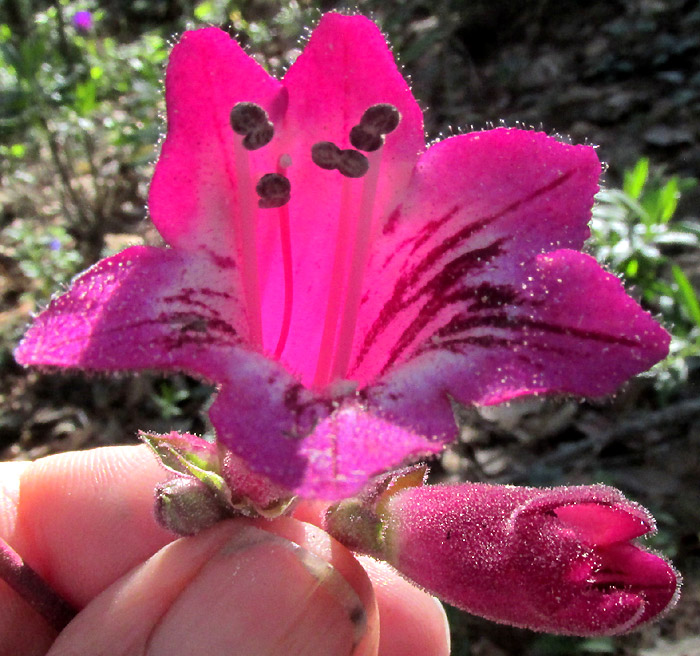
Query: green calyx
[[199, 494], [361, 523]]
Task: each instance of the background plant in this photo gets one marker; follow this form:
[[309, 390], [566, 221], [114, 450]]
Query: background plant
[[634, 233]]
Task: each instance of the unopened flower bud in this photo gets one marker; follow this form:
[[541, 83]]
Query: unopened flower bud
[[559, 560], [185, 505]]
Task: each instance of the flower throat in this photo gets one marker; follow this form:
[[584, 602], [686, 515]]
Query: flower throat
[[251, 122]]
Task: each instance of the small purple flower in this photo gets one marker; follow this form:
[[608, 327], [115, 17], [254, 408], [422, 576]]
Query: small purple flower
[[82, 21], [55, 245]]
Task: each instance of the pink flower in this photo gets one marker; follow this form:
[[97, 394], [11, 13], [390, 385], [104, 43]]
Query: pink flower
[[339, 282], [558, 560]]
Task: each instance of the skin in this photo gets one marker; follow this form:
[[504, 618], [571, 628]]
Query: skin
[[84, 521]]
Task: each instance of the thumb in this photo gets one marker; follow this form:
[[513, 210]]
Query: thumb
[[242, 587]]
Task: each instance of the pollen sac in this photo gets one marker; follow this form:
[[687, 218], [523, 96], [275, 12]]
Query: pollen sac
[[252, 122], [274, 190], [365, 140], [378, 120], [326, 155], [353, 164], [259, 137], [350, 163], [247, 116], [382, 118]]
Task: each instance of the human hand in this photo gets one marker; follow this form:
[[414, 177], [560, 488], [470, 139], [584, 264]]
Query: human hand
[[84, 521]]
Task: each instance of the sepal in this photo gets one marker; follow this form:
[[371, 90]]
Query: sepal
[[359, 522], [209, 484]]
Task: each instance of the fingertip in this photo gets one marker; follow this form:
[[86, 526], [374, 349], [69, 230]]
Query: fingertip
[[311, 512], [411, 621], [93, 507], [294, 602], [241, 587]]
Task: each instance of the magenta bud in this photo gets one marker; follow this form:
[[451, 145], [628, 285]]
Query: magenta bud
[[559, 560], [185, 505]]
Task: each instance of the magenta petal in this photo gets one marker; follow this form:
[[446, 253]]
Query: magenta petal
[[300, 441], [479, 208], [504, 553], [603, 525], [568, 327], [195, 194], [145, 308], [344, 69]]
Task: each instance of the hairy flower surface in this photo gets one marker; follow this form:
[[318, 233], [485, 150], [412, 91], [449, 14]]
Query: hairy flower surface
[[559, 560], [338, 281]]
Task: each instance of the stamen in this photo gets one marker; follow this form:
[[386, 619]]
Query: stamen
[[253, 124], [246, 116], [348, 274], [326, 155], [335, 290], [274, 190], [286, 245], [259, 137], [349, 163], [358, 264], [365, 140], [242, 116], [353, 164], [382, 117], [377, 121]]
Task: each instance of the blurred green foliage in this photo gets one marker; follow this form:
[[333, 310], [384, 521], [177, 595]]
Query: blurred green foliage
[[633, 232], [47, 257]]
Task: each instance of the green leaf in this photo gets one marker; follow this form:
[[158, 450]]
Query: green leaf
[[687, 294], [636, 178], [632, 268], [204, 11], [85, 95], [668, 199]]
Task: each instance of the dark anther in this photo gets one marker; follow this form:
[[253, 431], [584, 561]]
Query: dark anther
[[349, 162], [365, 140], [377, 121], [274, 190], [326, 155], [259, 137], [247, 116], [382, 118], [353, 164], [252, 121]]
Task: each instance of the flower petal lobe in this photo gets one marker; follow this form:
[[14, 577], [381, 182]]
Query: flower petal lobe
[[144, 308]]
